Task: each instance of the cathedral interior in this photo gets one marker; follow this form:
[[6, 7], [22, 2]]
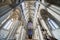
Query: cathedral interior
[[29, 19]]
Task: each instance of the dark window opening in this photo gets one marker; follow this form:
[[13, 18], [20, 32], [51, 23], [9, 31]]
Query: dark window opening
[[54, 2]]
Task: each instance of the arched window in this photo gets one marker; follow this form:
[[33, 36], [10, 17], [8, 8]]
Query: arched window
[[5, 30], [8, 24], [52, 24]]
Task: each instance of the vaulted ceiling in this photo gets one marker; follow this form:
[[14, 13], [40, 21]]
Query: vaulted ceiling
[[30, 9]]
